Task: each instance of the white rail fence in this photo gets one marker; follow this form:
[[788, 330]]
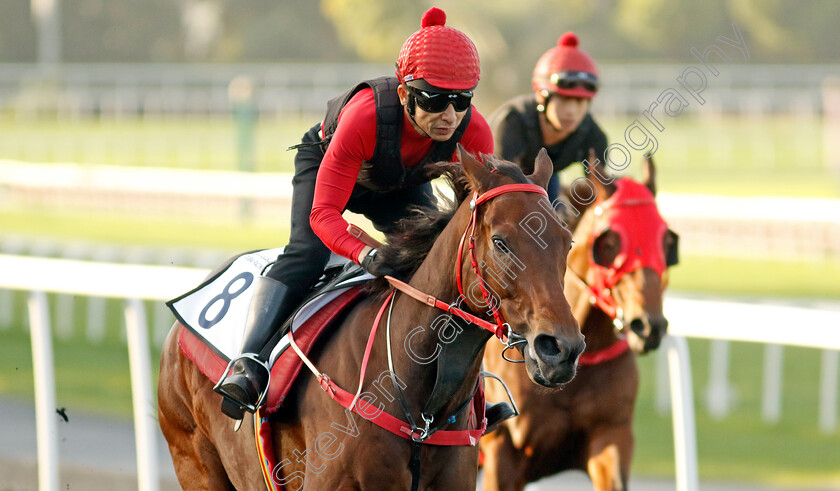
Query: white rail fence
[[88, 316], [775, 324], [133, 283]]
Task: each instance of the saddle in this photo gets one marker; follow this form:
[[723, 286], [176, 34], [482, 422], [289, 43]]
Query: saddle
[[213, 316]]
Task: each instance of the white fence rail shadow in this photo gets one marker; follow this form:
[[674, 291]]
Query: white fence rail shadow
[[763, 323]]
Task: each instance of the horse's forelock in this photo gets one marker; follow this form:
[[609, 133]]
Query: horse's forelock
[[503, 168]]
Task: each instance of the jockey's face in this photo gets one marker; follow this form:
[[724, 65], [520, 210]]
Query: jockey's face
[[566, 113], [438, 126]]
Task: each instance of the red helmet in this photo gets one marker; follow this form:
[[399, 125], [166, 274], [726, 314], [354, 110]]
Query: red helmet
[[442, 56], [566, 70]]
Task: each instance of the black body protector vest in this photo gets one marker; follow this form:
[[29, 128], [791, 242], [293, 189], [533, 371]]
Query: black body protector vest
[[385, 170]]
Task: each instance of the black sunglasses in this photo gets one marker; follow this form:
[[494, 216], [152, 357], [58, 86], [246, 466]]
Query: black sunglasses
[[571, 80], [436, 102]]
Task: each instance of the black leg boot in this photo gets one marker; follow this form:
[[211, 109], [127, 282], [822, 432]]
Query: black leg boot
[[271, 304]]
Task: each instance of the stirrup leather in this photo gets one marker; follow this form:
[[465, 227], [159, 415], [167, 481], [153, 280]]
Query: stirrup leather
[[248, 407]]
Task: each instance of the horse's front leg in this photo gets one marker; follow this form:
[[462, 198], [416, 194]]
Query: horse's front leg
[[610, 454], [502, 462]]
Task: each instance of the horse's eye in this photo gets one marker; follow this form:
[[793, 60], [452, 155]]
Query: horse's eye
[[500, 245]]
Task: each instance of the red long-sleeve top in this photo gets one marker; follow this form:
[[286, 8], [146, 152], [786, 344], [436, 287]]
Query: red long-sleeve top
[[352, 143]]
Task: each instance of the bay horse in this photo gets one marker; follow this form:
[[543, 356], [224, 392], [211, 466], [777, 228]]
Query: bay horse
[[616, 271], [498, 256]]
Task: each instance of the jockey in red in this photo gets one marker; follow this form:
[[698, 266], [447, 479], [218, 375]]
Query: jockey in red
[[367, 156], [555, 116]]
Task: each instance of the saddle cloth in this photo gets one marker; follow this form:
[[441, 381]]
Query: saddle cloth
[[213, 316]]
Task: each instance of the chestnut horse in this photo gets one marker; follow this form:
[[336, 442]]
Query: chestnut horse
[[621, 250], [318, 444]]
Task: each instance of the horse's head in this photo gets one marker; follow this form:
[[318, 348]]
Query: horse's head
[[623, 248], [514, 268]]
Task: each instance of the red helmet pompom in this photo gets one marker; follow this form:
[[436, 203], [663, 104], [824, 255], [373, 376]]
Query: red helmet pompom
[[568, 39], [433, 17]]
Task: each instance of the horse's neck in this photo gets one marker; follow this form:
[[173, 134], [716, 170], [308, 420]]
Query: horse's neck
[[598, 330], [420, 325]]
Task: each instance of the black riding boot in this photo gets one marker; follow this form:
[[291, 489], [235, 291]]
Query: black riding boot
[[271, 304], [496, 413]]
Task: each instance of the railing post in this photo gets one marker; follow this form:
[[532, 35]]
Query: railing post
[[45, 417], [828, 391], [145, 422], [682, 408], [663, 391], [719, 391], [771, 406]]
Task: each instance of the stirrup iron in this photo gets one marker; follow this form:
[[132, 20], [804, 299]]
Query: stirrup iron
[[515, 410], [229, 400]]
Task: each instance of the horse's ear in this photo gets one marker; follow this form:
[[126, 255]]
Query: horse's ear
[[649, 174], [603, 188], [543, 167], [475, 170]]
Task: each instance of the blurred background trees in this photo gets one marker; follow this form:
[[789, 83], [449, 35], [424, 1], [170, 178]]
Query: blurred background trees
[[372, 30]]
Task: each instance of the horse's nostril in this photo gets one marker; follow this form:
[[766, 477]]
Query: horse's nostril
[[546, 346], [551, 350], [637, 325]]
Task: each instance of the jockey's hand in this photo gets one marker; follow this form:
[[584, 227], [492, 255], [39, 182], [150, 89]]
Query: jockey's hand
[[375, 264]]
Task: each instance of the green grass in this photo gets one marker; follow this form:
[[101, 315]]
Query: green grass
[[89, 377], [774, 156], [191, 143], [119, 229], [726, 155], [758, 277]]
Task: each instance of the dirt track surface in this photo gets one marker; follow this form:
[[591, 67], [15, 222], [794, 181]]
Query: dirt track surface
[[17, 476], [95, 453]]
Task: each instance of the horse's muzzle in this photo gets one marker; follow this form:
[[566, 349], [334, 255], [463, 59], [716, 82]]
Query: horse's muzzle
[[646, 334], [551, 361]]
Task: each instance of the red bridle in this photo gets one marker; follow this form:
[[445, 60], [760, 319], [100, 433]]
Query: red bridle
[[500, 327]]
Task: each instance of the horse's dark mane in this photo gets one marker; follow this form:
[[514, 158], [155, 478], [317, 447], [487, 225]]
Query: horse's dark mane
[[412, 238]]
